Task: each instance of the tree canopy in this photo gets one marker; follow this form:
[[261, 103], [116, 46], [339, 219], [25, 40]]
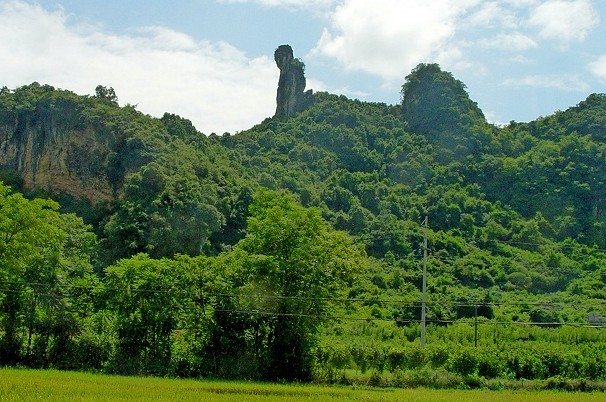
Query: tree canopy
[[231, 255]]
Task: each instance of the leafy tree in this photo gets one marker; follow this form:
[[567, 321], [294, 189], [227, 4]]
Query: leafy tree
[[43, 257], [165, 211], [106, 93], [436, 105], [292, 261], [143, 295], [26, 238]]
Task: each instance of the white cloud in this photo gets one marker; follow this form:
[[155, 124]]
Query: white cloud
[[213, 84], [513, 41], [389, 37], [598, 67], [520, 3], [315, 85], [475, 67], [289, 4], [492, 14], [520, 59], [565, 20], [569, 83], [493, 118]]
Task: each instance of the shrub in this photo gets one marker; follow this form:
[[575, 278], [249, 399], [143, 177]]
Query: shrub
[[490, 364], [438, 355], [526, 364], [426, 377], [464, 361]]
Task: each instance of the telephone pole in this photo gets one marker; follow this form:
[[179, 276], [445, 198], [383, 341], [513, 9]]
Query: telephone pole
[[424, 294], [475, 325]]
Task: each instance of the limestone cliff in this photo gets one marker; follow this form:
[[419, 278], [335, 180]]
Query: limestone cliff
[[46, 139], [57, 162], [292, 97]]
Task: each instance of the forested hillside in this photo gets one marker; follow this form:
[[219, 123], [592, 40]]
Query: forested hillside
[[294, 249]]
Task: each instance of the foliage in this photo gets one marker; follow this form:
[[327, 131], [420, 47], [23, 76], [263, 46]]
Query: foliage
[[264, 280], [107, 94], [436, 104], [287, 266], [45, 260], [165, 210]]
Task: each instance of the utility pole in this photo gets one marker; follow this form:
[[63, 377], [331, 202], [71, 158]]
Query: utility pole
[[475, 324], [424, 294]]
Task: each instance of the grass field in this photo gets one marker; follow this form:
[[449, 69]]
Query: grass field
[[41, 385]]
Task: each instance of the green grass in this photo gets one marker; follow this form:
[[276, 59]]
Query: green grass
[[50, 385]]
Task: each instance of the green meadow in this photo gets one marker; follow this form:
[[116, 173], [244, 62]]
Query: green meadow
[[50, 385]]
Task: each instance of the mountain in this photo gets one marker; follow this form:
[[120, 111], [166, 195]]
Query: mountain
[[370, 167], [360, 162], [516, 214]]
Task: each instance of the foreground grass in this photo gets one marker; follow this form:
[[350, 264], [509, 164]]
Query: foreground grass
[[50, 385]]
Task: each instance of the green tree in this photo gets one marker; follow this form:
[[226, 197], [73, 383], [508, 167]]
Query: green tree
[[43, 257], [106, 93], [437, 105], [292, 261], [143, 296], [166, 210]]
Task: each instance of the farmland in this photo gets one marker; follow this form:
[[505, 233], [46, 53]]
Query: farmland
[[52, 385]]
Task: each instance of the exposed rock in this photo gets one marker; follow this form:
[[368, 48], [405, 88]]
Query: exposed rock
[[51, 150], [57, 161], [292, 97]]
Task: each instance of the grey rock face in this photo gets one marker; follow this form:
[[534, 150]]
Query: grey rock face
[[291, 97]]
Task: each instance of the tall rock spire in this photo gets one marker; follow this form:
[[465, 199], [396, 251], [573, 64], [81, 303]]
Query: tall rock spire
[[291, 98]]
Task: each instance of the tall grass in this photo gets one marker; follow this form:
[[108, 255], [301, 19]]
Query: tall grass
[[50, 385]]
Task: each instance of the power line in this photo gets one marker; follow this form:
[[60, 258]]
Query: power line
[[411, 321], [441, 301], [396, 320]]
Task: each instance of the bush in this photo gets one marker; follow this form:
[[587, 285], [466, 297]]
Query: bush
[[409, 357], [438, 355], [426, 377], [526, 364], [465, 361], [490, 364]]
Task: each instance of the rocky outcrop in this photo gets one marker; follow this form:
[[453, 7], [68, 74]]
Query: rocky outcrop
[[292, 97], [46, 143], [56, 161]]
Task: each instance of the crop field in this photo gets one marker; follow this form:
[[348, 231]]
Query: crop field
[[51, 385]]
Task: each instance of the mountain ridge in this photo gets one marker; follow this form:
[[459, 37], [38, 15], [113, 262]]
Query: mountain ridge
[[510, 223], [87, 147]]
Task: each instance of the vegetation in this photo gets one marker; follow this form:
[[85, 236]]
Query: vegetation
[[293, 250], [49, 385]]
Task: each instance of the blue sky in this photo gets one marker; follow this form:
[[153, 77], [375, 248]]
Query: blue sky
[[211, 61]]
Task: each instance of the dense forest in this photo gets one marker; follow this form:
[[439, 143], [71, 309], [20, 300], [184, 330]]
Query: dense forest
[[294, 250]]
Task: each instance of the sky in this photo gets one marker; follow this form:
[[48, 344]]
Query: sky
[[211, 61]]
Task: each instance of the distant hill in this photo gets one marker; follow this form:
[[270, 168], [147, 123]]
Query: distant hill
[[295, 249], [505, 204]]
